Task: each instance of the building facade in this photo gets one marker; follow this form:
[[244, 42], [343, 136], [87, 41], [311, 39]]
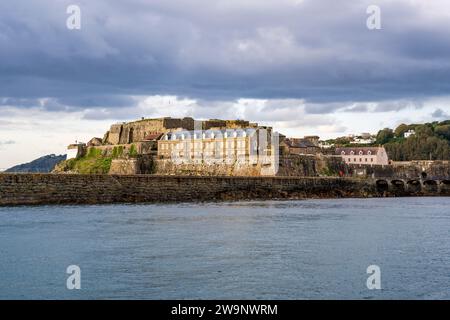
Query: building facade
[[216, 146], [364, 155]]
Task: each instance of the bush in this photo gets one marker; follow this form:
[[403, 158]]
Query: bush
[[133, 151], [117, 152], [92, 163]]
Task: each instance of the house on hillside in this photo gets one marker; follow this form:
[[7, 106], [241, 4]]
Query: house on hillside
[[364, 155]]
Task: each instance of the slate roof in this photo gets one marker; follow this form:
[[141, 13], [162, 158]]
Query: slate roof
[[153, 136]]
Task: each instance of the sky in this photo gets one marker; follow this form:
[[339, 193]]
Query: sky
[[302, 66]]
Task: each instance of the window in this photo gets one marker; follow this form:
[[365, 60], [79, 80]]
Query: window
[[360, 160], [369, 152], [343, 152], [361, 153], [371, 160]]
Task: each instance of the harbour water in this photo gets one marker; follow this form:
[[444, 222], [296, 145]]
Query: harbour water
[[310, 249]]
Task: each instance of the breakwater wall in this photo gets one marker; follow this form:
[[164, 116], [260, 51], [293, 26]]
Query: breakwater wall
[[33, 189]]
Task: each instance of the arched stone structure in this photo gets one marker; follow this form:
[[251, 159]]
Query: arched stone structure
[[445, 187], [398, 185], [430, 185], [414, 186], [382, 185]]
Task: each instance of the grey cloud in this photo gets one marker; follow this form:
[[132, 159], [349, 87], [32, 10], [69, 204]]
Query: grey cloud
[[440, 114], [322, 108], [358, 107], [6, 142], [397, 105], [319, 51], [19, 102]]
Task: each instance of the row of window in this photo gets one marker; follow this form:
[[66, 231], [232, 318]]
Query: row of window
[[360, 153], [360, 160], [220, 145], [209, 135]]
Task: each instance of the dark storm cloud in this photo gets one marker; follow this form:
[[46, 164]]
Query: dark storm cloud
[[320, 51]]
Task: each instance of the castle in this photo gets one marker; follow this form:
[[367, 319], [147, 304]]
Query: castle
[[146, 129], [235, 147], [215, 147]]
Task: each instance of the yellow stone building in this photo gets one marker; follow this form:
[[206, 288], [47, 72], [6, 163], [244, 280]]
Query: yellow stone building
[[217, 146]]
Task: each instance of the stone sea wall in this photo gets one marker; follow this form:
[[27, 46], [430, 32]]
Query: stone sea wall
[[293, 165], [34, 189], [167, 167]]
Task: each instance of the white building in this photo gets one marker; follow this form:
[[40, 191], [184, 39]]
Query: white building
[[360, 140], [409, 133]]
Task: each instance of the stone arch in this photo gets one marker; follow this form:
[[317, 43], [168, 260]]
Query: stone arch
[[414, 186], [430, 185], [445, 186], [423, 174], [382, 185], [398, 185]]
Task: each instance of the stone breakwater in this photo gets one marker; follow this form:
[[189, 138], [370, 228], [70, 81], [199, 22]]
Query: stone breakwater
[[39, 189]]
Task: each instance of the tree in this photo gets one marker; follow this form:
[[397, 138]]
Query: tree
[[443, 131], [431, 142], [384, 136], [425, 130], [401, 129]]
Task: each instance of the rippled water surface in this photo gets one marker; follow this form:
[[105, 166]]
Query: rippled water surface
[[243, 250]]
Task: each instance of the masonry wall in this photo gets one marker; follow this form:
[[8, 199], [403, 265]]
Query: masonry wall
[[425, 169], [124, 166], [167, 167], [405, 170], [20, 189], [292, 165]]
